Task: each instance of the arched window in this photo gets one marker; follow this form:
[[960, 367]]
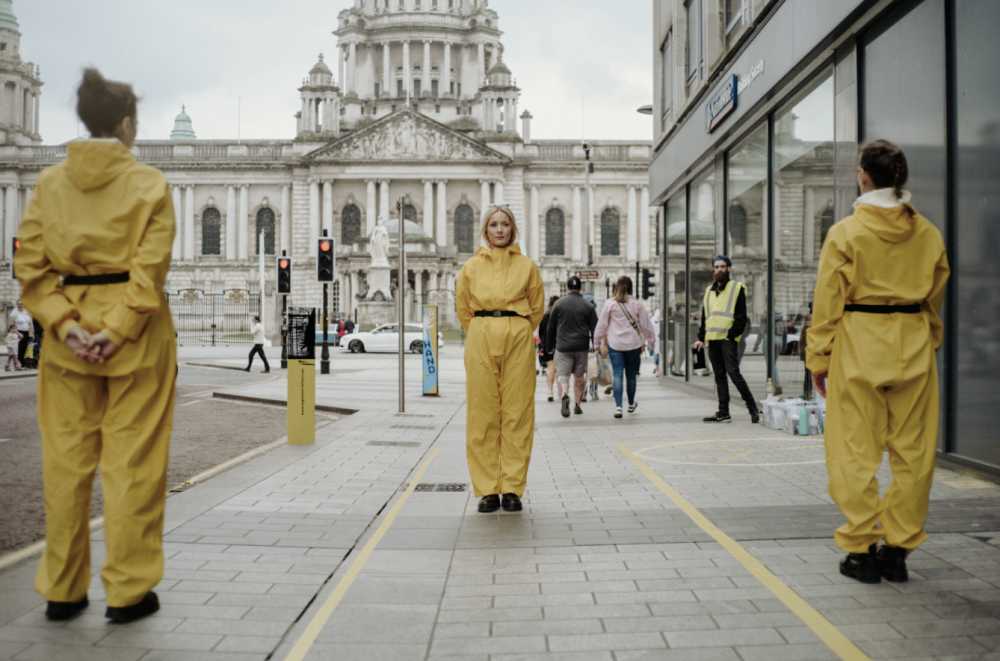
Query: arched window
[[825, 222], [465, 229], [350, 224], [211, 232], [610, 232], [555, 232], [265, 224], [410, 212], [738, 225]]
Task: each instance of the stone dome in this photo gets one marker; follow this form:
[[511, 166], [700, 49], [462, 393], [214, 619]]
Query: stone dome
[[7, 19], [319, 67], [183, 130], [412, 230]]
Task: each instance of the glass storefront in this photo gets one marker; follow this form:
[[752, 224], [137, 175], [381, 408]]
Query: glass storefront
[[676, 285]]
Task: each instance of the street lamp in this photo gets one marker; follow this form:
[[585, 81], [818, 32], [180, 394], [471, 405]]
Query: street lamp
[[645, 110]]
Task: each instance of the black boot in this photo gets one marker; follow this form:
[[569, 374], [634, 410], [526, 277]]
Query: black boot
[[862, 566], [892, 563], [489, 503], [511, 503], [121, 615], [719, 416], [63, 610]]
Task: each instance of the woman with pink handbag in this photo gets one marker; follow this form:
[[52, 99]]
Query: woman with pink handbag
[[625, 323]]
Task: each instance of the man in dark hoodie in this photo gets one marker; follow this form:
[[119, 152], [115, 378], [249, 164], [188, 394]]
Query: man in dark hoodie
[[570, 330]]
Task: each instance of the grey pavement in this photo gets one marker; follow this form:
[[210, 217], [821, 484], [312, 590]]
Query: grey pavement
[[600, 565]]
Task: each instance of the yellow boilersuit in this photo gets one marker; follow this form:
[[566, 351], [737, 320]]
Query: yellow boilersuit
[[882, 388], [499, 366], [97, 212]]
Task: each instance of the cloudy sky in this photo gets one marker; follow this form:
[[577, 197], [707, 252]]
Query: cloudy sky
[[217, 56]]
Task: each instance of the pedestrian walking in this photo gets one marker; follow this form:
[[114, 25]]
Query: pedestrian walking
[[258, 345], [14, 337], [547, 355], [341, 330], [499, 297], [348, 326], [655, 349], [104, 223], [872, 350], [571, 332], [723, 320], [25, 328], [590, 387], [626, 324]]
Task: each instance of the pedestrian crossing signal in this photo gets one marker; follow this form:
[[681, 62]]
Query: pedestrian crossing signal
[[14, 245], [284, 275], [325, 259]]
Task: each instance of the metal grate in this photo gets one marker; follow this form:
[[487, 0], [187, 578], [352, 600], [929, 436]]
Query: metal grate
[[442, 487], [395, 444]]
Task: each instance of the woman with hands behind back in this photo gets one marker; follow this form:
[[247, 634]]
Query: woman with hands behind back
[[94, 255]]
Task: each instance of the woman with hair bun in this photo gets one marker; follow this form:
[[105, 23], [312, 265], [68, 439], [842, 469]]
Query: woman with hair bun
[[873, 344], [94, 254]]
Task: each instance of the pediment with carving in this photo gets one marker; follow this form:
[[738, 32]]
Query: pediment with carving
[[406, 136]]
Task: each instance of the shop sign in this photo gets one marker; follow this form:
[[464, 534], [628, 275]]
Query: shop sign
[[747, 80], [722, 104]]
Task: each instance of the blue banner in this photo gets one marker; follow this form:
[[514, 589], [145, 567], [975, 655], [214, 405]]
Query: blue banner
[[430, 332]]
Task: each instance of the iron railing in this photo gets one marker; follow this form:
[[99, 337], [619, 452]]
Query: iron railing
[[213, 319]]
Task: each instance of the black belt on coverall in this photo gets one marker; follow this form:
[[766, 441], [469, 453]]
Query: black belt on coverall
[[496, 313], [913, 308], [100, 279]]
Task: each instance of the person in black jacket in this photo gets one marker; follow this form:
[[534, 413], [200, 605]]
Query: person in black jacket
[[570, 330], [547, 351]]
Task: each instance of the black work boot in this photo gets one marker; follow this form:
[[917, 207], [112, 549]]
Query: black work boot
[[63, 610], [511, 503], [892, 563], [149, 605], [754, 416], [489, 503], [718, 416], [862, 566], [565, 406]]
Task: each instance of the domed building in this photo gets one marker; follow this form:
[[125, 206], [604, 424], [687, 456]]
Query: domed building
[[417, 108]]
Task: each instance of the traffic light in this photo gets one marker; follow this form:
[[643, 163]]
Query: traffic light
[[325, 250], [284, 275], [14, 245], [648, 286]]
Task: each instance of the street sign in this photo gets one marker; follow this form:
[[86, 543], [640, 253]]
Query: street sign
[[592, 274]]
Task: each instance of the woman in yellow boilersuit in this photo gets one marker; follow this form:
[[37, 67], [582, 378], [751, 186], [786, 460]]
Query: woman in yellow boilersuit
[[874, 340], [500, 302], [94, 254]]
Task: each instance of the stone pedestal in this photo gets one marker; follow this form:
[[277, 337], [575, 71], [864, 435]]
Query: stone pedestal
[[379, 284]]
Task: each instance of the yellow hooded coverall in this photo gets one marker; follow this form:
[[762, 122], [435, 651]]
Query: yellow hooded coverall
[[499, 366], [883, 379], [97, 212]]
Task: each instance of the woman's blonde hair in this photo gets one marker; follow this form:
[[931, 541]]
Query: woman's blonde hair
[[490, 210], [623, 289]]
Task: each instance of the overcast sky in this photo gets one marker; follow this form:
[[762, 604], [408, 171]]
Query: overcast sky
[[207, 54]]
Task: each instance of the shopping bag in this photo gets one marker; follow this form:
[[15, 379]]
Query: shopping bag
[[29, 353], [599, 369]]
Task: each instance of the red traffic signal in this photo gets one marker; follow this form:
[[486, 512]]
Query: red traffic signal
[[324, 259], [324, 246], [282, 263], [284, 275]]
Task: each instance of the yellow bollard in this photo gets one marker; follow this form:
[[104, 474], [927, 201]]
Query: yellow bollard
[[301, 402]]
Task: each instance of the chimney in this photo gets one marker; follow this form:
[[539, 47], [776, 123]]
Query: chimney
[[526, 126]]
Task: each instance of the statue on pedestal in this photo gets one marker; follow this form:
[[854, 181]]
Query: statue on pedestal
[[378, 247]]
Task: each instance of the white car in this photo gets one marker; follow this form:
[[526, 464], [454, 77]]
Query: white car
[[385, 338]]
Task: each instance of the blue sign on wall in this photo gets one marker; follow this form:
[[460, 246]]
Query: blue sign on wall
[[722, 104]]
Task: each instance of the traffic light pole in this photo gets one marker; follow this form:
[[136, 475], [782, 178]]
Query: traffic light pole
[[324, 357], [638, 281]]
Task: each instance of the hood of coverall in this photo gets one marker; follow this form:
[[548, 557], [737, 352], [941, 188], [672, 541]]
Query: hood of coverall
[[92, 164], [893, 224], [513, 249]]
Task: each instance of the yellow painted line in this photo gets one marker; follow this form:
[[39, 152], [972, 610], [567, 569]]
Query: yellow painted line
[[308, 637], [829, 634], [735, 456]]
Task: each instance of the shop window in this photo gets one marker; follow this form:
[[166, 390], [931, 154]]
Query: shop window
[[350, 224], [675, 285], [610, 232], [555, 232], [211, 232], [465, 229], [265, 224], [738, 225]]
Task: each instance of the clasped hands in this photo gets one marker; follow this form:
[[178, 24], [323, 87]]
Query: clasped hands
[[92, 348]]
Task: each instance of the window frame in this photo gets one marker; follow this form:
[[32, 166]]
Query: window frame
[[737, 18], [693, 72], [666, 77]]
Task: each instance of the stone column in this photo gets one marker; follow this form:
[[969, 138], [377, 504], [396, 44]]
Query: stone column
[[406, 69], [576, 236], [809, 228], [485, 187], [507, 124], [644, 240], [37, 117], [303, 116], [442, 214], [429, 208], [243, 224], [286, 218], [341, 56], [425, 71], [383, 203], [480, 63], [446, 74], [10, 217], [371, 213], [354, 290], [418, 288], [189, 222], [327, 210], [387, 72], [432, 283], [498, 192], [533, 224], [177, 251], [591, 228], [314, 224], [352, 68], [231, 214], [630, 233]]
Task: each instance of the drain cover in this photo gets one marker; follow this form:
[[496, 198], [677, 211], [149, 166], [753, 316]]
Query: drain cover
[[395, 444], [446, 487]]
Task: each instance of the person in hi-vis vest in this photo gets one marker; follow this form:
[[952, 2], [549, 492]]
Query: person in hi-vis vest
[[723, 320]]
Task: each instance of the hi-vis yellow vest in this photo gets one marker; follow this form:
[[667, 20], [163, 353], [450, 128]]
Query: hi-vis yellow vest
[[721, 310]]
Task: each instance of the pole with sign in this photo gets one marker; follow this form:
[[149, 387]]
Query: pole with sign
[[301, 376], [430, 331]]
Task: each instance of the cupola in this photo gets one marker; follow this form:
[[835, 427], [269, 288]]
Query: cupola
[[320, 75], [183, 130], [499, 75]]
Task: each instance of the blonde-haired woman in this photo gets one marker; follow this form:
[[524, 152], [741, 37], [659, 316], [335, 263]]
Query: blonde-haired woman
[[626, 324], [500, 301]]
